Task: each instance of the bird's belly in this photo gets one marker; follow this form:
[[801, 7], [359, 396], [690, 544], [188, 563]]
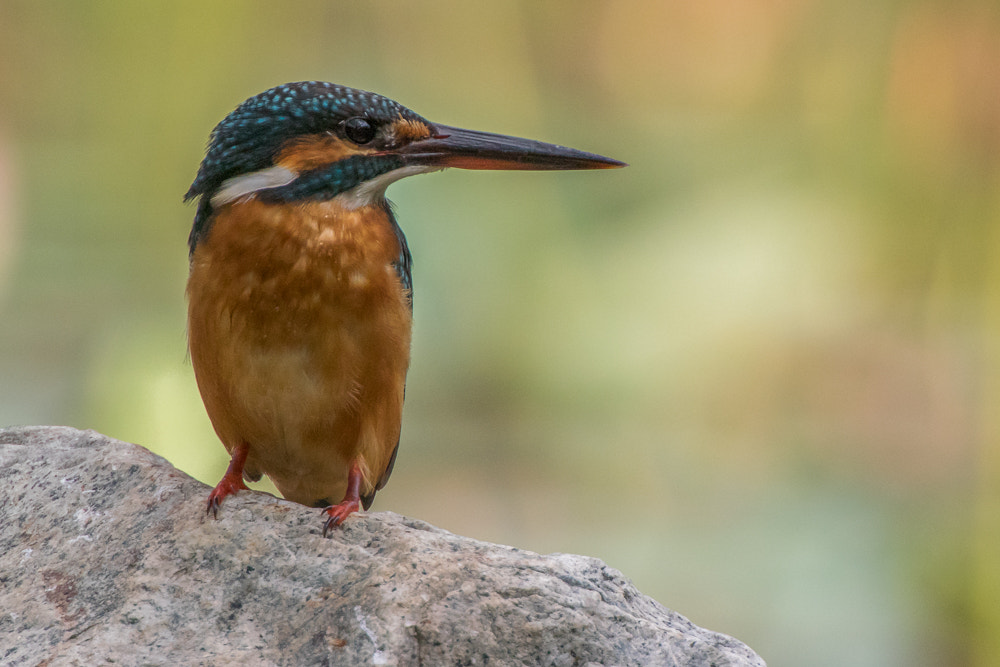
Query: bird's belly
[[300, 351], [301, 421]]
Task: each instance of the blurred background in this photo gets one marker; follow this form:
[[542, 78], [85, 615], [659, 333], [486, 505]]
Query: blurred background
[[758, 371]]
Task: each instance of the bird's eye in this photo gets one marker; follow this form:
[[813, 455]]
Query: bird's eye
[[359, 130]]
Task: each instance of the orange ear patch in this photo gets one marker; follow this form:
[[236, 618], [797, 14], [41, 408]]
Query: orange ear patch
[[410, 130], [312, 151]]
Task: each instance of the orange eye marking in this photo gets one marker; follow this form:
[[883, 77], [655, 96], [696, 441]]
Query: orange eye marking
[[409, 130]]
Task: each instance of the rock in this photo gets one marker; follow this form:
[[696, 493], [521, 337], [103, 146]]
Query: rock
[[106, 554]]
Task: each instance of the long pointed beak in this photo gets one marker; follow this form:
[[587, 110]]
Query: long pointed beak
[[469, 149]]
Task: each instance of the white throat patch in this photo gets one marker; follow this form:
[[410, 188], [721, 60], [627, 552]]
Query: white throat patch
[[373, 191]]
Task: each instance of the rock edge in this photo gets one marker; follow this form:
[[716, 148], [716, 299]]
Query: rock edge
[[106, 553]]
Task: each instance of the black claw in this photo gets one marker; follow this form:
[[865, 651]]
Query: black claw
[[331, 522]]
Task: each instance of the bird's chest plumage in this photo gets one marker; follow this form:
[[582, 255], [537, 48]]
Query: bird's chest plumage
[[299, 329]]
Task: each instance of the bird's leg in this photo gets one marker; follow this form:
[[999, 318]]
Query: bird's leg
[[351, 502], [232, 481]]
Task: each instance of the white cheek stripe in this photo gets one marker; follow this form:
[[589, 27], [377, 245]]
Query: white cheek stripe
[[363, 194], [247, 184]]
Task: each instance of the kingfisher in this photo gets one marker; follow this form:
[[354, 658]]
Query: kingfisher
[[300, 294]]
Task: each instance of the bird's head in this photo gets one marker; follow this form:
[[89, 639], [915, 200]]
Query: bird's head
[[317, 140]]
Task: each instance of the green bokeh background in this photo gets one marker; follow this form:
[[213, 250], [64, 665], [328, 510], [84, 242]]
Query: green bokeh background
[[758, 371]]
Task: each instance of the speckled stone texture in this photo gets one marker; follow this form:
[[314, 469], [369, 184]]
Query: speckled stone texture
[[106, 555]]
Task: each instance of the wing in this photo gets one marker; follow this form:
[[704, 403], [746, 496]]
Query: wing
[[404, 262], [366, 501]]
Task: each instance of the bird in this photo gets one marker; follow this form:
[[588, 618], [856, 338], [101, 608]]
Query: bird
[[300, 291]]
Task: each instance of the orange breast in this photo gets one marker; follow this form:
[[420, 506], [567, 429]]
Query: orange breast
[[299, 330]]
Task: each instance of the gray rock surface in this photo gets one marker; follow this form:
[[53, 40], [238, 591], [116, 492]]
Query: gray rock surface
[[106, 555]]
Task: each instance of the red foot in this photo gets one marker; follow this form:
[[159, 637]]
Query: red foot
[[231, 482], [349, 505], [338, 513]]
